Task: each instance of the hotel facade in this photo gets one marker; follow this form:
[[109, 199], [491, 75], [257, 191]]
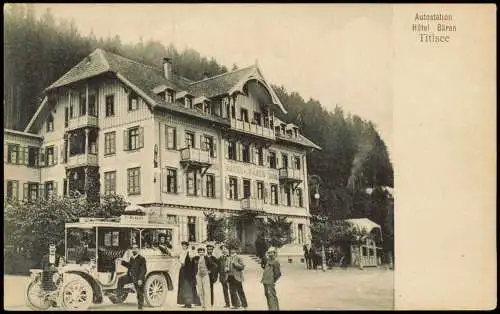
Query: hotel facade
[[176, 147]]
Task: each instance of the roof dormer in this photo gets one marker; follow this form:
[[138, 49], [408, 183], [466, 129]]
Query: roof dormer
[[185, 98]]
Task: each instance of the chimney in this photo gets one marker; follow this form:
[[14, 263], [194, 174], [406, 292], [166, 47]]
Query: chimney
[[205, 75], [167, 68]]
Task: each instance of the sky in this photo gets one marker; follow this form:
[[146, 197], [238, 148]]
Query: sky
[[337, 54]]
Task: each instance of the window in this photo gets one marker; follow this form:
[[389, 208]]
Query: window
[[231, 150], [259, 155], [298, 192], [50, 123], [65, 187], [133, 101], [208, 145], [110, 182], [134, 181], [274, 194], [189, 139], [71, 111], [191, 226], [206, 108], [13, 151], [134, 138], [260, 190], [12, 190], [297, 162], [301, 233], [31, 191], [246, 152], [49, 189], [244, 115], [246, 189], [171, 219], [191, 183], [171, 137], [171, 180], [109, 143], [288, 194], [92, 104], [284, 159], [66, 117], [170, 96], [272, 160], [257, 118], [110, 105], [50, 156], [83, 103], [233, 188], [210, 186], [188, 102]]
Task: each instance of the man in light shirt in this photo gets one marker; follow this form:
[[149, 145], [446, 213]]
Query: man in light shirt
[[203, 266]]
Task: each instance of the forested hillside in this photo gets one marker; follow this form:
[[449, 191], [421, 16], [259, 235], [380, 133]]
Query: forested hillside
[[37, 51]]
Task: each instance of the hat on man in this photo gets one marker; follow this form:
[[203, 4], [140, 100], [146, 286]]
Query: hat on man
[[210, 246], [201, 249], [185, 243], [272, 249]]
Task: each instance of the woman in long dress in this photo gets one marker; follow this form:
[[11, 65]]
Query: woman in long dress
[[186, 291]]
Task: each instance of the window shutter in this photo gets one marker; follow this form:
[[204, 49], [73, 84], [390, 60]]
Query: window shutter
[[238, 151], [240, 188], [141, 137], [179, 181], [41, 191], [42, 157], [199, 182], [265, 194], [226, 186], [179, 140], [125, 140], [280, 195], [251, 151], [25, 191], [215, 148], [26, 155], [5, 152], [63, 149], [164, 182], [267, 160], [55, 154], [202, 143], [55, 188], [217, 186], [167, 144], [226, 149]]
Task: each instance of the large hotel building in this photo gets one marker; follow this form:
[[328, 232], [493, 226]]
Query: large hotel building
[[176, 147]]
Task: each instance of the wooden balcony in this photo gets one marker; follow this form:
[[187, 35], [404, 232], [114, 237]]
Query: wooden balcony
[[194, 158], [251, 128], [291, 175], [82, 160], [252, 204], [81, 122]]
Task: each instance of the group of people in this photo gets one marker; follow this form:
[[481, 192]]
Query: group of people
[[199, 272], [312, 257]]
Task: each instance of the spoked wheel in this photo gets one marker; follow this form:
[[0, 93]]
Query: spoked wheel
[[77, 295], [36, 297], [155, 290]]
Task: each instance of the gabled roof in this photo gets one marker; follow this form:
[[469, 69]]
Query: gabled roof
[[300, 139], [363, 223], [231, 82]]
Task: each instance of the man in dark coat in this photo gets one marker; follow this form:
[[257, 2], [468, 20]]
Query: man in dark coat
[[214, 271], [271, 274], [84, 254], [236, 267], [224, 274], [136, 273], [186, 290], [50, 262]]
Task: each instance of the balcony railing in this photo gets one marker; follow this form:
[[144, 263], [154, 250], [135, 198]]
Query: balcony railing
[[290, 174], [82, 121], [252, 204], [82, 160], [252, 128], [195, 155]]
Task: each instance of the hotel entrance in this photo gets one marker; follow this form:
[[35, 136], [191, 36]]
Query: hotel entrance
[[247, 232]]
